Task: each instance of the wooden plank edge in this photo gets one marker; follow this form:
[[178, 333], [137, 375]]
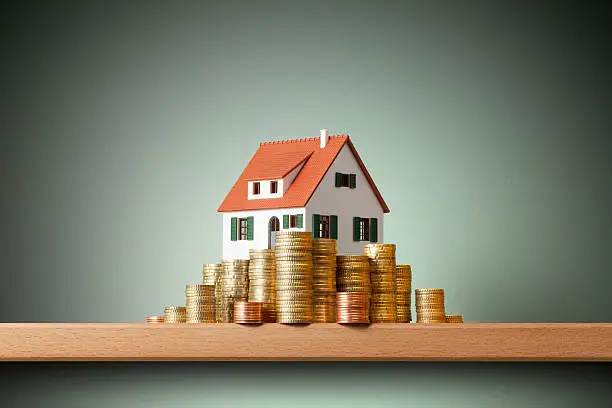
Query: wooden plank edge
[[382, 342]]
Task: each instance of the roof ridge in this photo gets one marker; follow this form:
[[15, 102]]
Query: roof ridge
[[306, 139]]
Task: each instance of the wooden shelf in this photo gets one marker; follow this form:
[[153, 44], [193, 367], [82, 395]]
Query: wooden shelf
[[418, 342]]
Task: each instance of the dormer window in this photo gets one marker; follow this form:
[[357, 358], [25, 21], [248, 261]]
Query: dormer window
[[273, 187], [256, 188]]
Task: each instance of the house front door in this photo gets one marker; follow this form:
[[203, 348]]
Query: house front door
[[273, 226]]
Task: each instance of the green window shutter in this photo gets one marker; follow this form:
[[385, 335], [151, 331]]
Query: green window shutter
[[285, 221], [316, 225], [352, 180], [373, 230], [299, 219], [250, 222], [356, 225], [333, 226], [234, 229], [338, 179]]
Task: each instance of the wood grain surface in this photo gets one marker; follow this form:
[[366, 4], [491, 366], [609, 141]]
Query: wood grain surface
[[330, 342]]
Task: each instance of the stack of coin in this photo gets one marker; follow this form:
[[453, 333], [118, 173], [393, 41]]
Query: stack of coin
[[430, 306], [212, 274], [262, 281], [293, 277], [175, 314], [234, 286], [454, 318], [353, 275], [382, 276], [200, 305], [324, 252], [155, 319], [352, 307], [403, 290], [248, 312]]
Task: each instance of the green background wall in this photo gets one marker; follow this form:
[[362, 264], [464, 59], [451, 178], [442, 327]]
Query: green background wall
[[484, 124]]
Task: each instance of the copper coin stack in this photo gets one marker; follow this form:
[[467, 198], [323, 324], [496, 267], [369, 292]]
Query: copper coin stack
[[175, 314], [454, 318], [234, 286], [430, 305], [155, 319], [382, 276], [200, 303], [248, 312], [352, 308], [212, 274], [403, 290], [324, 251], [293, 277], [353, 275], [262, 281]]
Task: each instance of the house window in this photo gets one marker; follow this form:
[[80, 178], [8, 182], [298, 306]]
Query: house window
[[256, 188], [364, 229], [346, 180], [293, 221], [324, 226], [243, 228], [273, 187]]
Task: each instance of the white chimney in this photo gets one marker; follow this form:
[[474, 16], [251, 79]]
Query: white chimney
[[324, 138]]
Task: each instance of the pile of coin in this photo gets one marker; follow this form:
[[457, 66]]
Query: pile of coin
[[248, 312], [382, 276], [155, 319], [352, 307], [353, 273], [403, 290], [324, 252], [200, 303], [175, 314], [430, 306], [234, 286], [454, 318], [212, 274], [293, 277], [262, 281]]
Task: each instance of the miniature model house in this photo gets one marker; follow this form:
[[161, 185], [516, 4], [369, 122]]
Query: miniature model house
[[318, 184]]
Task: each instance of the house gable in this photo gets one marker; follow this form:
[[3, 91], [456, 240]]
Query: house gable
[[307, 163]]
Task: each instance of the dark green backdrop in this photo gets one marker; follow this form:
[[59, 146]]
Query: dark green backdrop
[[484, 124]]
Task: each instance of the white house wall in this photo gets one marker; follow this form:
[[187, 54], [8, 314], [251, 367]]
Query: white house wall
[[345, 202], [240, 249]]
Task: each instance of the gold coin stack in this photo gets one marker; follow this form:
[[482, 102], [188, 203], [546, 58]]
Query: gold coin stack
[[200, 304], [352, 307], [248, 312], [293, 277], [353, 275], [155, 319], [430, 305], [212, 274], [403, 290], [262, 281], [234, 286], [454, 318], [382, 276], [175, 314], [324, 251]]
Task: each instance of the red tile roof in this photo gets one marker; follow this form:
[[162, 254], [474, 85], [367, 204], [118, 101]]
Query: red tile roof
[[274, 160]]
